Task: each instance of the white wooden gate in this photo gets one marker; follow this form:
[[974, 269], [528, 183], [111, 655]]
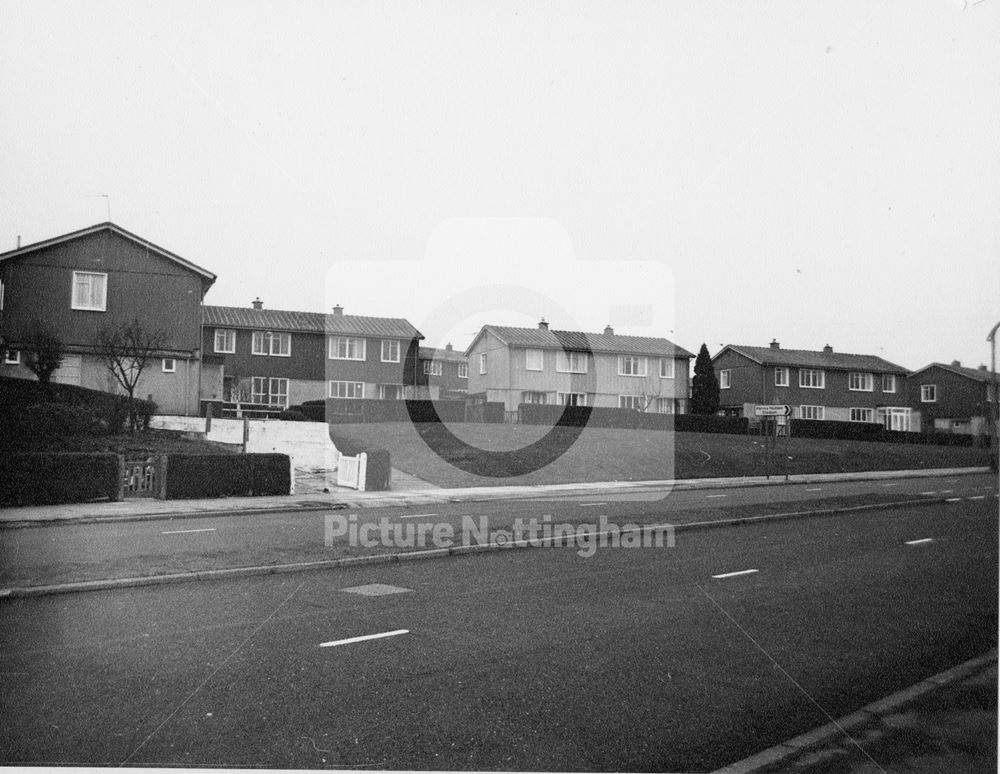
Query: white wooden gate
[[351, 471]]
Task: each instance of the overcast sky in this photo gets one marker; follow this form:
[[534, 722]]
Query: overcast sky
[[820, 173]]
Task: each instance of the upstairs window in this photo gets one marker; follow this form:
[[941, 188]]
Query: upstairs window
[[225, 341], [666, 368], [347, 348], [12, 357], [169, 365], [463, 370], [268, 343], [812, 378], [860, 382], [888, 382], [432, 368], [571, 362], [928, 393], [390, 351], [533, 359], [780, 377], [725, 379], [90, 291], [482, 363], [630, 365]]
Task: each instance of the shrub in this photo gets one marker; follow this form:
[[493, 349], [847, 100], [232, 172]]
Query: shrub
[[51, 420], [49, 478], [378, 473], [226, 475], [292, 415]]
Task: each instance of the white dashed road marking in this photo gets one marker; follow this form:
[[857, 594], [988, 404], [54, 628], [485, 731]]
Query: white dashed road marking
[[919, 542], [184, 531], [419, 516], [952, 499], [814, 489], [978, 497], [376, 590], [590, 505], [734, 574], [709, 497], [363, 638], [928, 493], [890, 484]]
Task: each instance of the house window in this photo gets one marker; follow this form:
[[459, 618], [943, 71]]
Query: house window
[[812, 412], [12, 357], [780, 377], [860, 382], [664, 405], [169, 365], [571, 362], [928, 393], [888, 382], [894, 418], [390, 391], [636, 402], [347, 390], [225, 341], [572, 398], [463, 370], [630, 365], [390, 351], [268, 343], [533, 359], [347, 348], [666, 368], [862, 415], [812, 378], [538, 398], [432, 367], [482, 363], [725, 379], [269, 391], [90, 291]]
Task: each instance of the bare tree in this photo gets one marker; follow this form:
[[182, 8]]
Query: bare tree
[[125, 351], [240, 392], [43, 350]]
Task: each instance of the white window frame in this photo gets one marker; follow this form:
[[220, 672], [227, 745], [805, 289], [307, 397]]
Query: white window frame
[[173, 365], [381, 391], [632, 365], [571, 362], [333, 349], [102, 305], [227, 335], [391, 343], [358, 388], [463, 370], [664, 405], [529, 355], [862, 415], [12, 357], [563, 398], [812, 372], [889, 379], [667, 369], [482, 362], [527, 394], [928, 393], [818, 411], [281, 394], [634, 402], [725, 379], [860, 381], [781, 376], [433, 367], [263, 343]]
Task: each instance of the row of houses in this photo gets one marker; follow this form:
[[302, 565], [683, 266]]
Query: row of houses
[[103, 276]]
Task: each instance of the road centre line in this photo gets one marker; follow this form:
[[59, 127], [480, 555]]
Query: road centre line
[[363, 638], [709, 497], [591, 505], [928, 493], [919, 542], [184, 531], [891, 483], [952, 499], [947, 491], [418, 516], [978, 497], [814, 489], [734, 574]]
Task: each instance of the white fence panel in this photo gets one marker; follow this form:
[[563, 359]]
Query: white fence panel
[[351, 471]]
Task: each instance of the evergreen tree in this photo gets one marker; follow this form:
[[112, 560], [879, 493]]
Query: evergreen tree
[[704, 387]]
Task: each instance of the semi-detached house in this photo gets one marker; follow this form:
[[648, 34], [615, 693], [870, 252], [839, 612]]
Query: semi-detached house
[[817, 384], [281, 358], [610, 370], [953, 398]]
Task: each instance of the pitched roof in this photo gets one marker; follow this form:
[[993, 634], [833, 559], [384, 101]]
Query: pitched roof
[[444, 355], [309, 322], [970, 373], [605, 343], [109, 226], [807, 358]]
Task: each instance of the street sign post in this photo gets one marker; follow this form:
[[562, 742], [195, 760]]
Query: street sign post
[[771, 431], [772, 411]]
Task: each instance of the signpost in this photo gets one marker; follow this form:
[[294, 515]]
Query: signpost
[[774, 412]]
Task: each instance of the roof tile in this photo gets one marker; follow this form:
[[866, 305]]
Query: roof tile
[[314, 322]]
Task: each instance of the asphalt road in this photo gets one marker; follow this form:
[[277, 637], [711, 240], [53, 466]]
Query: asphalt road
[[633, 659], [65, 553]]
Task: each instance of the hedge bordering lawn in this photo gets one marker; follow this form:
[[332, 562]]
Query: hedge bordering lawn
[[48, 478], [190, 476]]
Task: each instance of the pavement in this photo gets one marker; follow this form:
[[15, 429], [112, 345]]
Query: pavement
[[311, 495]]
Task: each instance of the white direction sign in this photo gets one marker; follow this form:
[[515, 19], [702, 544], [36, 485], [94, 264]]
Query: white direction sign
[[772, 411]]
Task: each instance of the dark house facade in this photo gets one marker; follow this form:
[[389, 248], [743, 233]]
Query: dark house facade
[[443, 374], [823, 384], [100, 278], [953, 398], [282, 358]]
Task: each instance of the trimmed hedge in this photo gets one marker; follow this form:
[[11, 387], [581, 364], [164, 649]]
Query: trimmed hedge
[[870, 431], [350, 411], [589, 416], [378, 473], [50, 478], [191, 476]]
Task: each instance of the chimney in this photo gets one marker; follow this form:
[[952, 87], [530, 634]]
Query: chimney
[[448, 347], [609, 331], [338, 310], [775, 344], [956, 363], [543, 325], [257, 303], [828, 350]]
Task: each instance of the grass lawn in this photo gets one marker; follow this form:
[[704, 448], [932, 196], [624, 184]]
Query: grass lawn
[[602, 454], [140, 444]]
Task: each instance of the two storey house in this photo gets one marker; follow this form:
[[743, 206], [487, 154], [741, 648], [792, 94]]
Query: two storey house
[[538, 365], [822, 384], [101, 278], [443, 374], [279, 358], [953, 398]]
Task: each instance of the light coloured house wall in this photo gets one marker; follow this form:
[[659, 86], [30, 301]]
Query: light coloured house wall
[[499, 366]]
